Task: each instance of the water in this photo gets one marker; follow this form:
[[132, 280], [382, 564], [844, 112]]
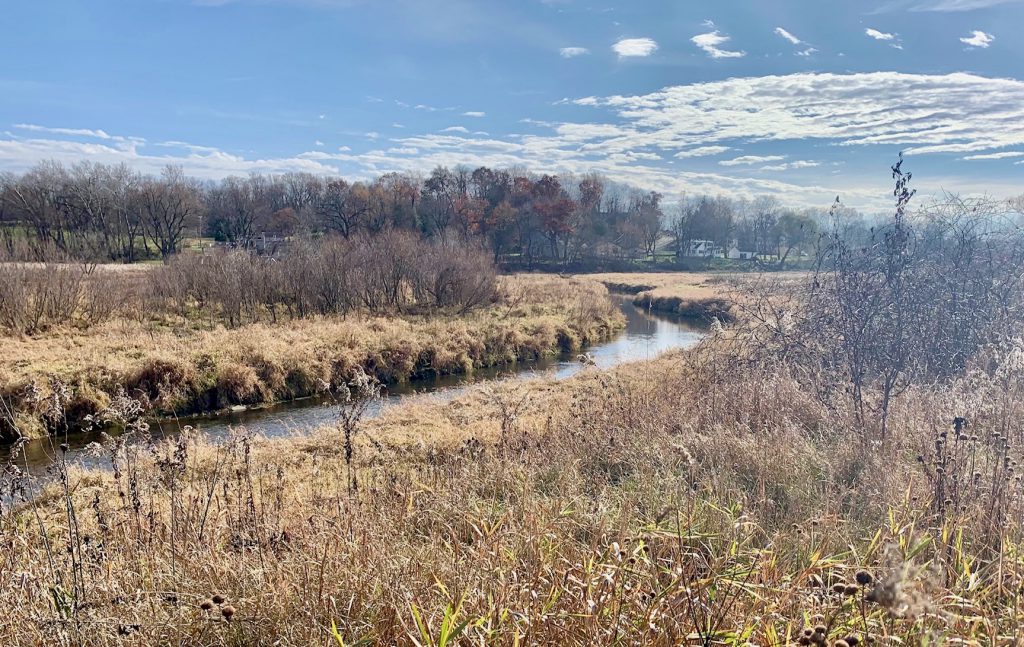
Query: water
[[647, 335]]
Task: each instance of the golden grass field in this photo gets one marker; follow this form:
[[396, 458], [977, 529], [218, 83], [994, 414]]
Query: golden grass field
[[686, 500], [183, 368], [661, 503]]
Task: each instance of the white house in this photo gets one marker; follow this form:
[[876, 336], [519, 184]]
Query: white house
[[704, 249], [737, 254]]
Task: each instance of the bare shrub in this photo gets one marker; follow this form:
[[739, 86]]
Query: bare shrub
[[391, 272]]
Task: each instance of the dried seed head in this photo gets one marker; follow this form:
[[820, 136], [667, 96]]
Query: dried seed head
[[852, 641], [206, 605], [227, 611], [820, 629], [808, 631], [863, 578], [851, 589], [841, 643], [838, 588], [218, 598]]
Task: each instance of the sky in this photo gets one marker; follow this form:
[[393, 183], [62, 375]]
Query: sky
[[803, 100]]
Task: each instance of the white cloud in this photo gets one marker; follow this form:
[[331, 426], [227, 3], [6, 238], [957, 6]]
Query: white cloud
[[788, 166], [751, 159], [710, 42], [456, 129], [474, 113], [978, 39], [19, 154], [961, 5], [319, 143], [633, 47], [81, 132], [879, 35], [995, 156], [344, 149], [788, 36], [571, 52], [323, 116], [373, 134], [625, 136], [702, 151], [807, 52], [397, 125], [922, 113]]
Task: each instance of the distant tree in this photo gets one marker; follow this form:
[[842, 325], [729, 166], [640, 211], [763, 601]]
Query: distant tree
[[795, 231], [170, 206], [341, 207]]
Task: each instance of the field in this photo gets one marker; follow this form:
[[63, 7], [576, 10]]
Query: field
[[613, 507], [690, 499], [182, 367]]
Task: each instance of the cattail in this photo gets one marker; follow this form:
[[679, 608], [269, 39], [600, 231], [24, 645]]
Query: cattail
[[863, 578], [227, 611], [206, 605], [218, 598]]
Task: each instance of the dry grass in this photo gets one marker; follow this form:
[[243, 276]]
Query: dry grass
[[669, 502], [190, 370], [690, 294]]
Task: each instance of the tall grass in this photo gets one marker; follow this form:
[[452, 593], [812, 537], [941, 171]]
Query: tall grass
[[711, 504], [173, 370]]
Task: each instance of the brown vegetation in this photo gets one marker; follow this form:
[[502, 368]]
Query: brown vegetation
[[711, 504], [181, 370]]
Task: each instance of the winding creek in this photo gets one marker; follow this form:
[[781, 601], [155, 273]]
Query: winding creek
[[646, 335]]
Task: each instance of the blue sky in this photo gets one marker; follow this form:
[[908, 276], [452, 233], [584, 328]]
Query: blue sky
[[802, 100]]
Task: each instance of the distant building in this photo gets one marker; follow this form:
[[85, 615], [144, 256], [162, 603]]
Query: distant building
[[704, 249], [736, 253]]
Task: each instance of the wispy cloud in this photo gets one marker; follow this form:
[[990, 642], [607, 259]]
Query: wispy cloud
[[788, 36], [789, 166], [632, 138], [635, 47], [995, 156], [978, 39], [886, 37], [961, 5], [456, 129], [572, 52], [474, 113], [806, 51], [710, 42], [751, 159], [879, 35], [702, 151]]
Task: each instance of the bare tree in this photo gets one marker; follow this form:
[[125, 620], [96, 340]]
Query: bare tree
[[170, 206]]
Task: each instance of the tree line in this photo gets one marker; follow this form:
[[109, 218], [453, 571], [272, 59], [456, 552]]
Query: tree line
[[111, 213]]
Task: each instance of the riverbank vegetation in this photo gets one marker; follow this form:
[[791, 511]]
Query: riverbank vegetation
[[191, 351], [701, 296], [841, 465]]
